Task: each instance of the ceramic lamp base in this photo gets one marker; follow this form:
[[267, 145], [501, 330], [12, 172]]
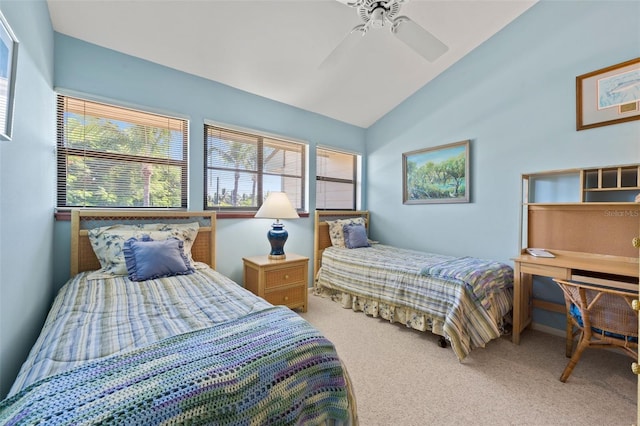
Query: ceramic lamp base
[[277, 236]]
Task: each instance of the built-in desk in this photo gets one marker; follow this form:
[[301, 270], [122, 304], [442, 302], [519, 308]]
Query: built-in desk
[[588, 218], [613, 271]]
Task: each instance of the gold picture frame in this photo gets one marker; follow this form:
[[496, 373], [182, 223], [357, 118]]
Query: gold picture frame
[[436, 175], [608, 96]]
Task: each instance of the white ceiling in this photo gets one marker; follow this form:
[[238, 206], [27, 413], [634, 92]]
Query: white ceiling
[[274, 48]]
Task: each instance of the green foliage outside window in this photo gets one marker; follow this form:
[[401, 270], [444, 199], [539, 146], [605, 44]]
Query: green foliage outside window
[[107, 162]]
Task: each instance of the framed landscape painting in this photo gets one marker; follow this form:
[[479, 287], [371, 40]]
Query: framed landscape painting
[[436, 175]]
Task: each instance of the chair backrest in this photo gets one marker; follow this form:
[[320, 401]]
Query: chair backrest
[[603, 310]]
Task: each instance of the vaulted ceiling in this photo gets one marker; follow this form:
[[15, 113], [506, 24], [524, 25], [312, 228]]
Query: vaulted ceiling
[[275, 49]]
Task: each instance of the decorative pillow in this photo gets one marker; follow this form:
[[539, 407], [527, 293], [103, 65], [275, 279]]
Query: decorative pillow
[[355, 236], [147, 259], [336, 232], [108, 243]]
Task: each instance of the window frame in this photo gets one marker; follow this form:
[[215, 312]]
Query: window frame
[[244, 211], [63, 152], [354, 181]]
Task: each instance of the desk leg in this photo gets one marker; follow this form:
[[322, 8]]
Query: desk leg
[[517, 305], [522, 286]]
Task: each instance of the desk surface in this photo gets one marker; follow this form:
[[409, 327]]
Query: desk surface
[[594, 268], [616, 265]]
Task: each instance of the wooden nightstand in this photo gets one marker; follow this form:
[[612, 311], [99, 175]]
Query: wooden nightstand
[[280, 282]]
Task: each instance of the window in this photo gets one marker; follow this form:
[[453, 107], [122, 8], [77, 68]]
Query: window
[[336, 180], [242, 168], [109, 156]]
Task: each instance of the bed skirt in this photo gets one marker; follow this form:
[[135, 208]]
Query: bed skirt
[[411, 318]]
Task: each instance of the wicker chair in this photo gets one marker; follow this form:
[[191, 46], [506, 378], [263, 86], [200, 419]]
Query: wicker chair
[[603, 318]]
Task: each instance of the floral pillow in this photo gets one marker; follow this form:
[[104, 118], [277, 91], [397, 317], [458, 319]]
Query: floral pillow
[[336, 232], [108, 243]]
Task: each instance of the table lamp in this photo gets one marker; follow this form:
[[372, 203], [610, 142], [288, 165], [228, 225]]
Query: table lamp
[[277, 206]]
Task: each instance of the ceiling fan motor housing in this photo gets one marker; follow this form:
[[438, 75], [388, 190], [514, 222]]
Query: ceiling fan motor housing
[[377, 12]]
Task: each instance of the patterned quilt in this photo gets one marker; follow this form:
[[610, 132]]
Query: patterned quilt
[[267, 368], [186, 349], [392, 279]]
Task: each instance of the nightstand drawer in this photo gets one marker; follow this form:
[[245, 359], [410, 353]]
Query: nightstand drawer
[[288, 296], [285, 276]]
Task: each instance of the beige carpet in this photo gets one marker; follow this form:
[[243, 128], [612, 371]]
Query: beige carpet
[[402, 377]]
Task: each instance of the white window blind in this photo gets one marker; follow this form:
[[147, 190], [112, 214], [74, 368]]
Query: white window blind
[[109, 156], [336, 177], [242, 168]]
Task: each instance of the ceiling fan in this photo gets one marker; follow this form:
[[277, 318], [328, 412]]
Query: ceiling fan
[[379, 14]]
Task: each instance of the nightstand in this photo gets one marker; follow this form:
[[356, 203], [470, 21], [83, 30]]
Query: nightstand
[[280, 282]]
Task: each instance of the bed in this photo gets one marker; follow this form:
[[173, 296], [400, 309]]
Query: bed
[[467, 301], [184, 346]]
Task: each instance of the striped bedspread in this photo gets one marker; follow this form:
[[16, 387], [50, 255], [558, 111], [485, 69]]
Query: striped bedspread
[[393, 276], [91, 319], [112, 324], [266, 368], [483, 276]]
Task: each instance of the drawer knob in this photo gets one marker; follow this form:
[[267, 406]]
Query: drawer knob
[[286, 298], [636, 242], [286, 276], [635, 368]]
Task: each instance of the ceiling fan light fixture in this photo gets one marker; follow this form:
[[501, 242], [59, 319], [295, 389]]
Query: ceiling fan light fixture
[[378, 17]]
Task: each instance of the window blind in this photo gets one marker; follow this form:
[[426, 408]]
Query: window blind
[[336, 177], [242, 168], [110, 156]]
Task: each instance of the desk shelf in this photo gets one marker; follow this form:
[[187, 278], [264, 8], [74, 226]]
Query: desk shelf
[[589, 185]]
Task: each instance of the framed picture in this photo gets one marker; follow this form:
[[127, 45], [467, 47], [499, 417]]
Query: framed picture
[[8, 64], [436, 175], [608, 96]]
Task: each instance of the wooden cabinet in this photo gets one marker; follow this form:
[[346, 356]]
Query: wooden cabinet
[[280, 282]]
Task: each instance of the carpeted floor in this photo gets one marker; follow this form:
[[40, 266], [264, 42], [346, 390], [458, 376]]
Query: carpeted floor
[[402, 377]]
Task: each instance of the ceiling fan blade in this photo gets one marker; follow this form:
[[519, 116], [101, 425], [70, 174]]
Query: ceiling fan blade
[[420, 40], [348, 43], [351, 3]]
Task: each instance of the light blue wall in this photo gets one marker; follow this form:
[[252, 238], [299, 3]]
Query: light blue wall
[[514, 97], [27, 179], [93, 70]]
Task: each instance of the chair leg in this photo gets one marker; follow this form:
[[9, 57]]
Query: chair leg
[[569, 338], [582, 345]]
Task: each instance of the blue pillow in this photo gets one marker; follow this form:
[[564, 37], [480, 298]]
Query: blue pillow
[[355, 236], [147, 259]]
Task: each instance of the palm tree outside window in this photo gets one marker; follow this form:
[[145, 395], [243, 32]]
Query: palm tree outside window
[[241, 168]]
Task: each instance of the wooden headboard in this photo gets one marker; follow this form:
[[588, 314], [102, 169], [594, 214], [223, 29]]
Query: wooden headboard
[[321, 239], [84, 259]]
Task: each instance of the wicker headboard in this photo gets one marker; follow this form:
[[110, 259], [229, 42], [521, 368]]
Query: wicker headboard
[[84, 259], [321, 231]]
